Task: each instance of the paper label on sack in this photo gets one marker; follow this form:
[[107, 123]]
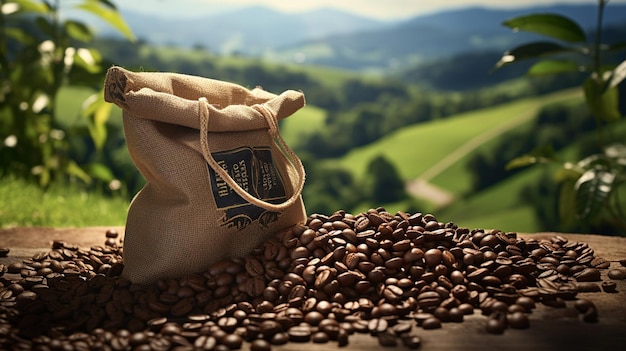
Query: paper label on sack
[[253, 169]]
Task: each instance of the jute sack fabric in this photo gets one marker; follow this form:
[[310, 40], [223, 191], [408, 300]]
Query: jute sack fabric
[[220, 180]]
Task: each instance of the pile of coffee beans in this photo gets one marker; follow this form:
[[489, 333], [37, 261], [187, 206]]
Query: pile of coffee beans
[[377, 273]]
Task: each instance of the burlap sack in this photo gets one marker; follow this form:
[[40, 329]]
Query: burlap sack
[[219, 178]]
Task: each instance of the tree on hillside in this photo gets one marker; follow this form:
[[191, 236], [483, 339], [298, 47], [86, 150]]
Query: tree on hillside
[[386, 184]]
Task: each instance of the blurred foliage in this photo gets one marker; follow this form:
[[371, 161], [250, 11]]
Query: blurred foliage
[[41, 52], [386, 185], [589, 188]]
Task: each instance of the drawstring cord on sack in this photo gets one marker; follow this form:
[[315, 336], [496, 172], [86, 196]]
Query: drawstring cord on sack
[[284, 151]]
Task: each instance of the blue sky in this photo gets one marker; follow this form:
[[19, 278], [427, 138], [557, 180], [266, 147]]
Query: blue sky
[[379, 9]]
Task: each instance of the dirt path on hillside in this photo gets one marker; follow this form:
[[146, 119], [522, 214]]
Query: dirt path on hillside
[[422, 188]]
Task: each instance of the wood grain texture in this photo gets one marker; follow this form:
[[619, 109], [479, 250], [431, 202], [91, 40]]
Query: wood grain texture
[[550, 329]]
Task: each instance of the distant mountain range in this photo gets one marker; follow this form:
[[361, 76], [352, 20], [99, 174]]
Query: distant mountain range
[[340, 39], [250, 31]]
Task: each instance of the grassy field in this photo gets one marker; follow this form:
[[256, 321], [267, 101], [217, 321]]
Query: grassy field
[[25, 204], [415, 149], [497, 207], [301, 123]]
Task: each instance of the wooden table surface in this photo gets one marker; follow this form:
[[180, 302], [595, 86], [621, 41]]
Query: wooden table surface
[[550, 329]]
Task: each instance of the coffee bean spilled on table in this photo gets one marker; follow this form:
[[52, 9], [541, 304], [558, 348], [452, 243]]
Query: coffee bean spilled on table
[[387, 275]]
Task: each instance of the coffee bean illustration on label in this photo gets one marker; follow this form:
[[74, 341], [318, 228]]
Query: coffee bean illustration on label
[[254, 171]]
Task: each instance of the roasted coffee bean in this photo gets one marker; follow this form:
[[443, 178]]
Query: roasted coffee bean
[[394, 263], [182, 307], [433, 257], [609, 286], [495, 326], [228, 324], [320, 337], [254, 267], [342, 338], [583, 305], [466, 308], [313, 318], [428, 299], [616, 274], [517, 308], [387, 339], [518, 320], [392, 293], [205, 342], [442, 314], [299, 333], [588, 275], [555, 302], [591, 315], [526, 302], [401, 328], [456, 315], [232, 341], [260, 345], [431, 323], [600, 263], [411, 342], [587, 287], [377, 325], [360, 326]]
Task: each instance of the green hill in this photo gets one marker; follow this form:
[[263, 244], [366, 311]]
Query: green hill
[[308, 119], [438, 151], [415, 149]]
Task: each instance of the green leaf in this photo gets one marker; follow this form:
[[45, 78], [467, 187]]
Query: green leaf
[[618, 75], [531, 51], [592, 191], [21, 36], [97, 112], [551, 25], [44, 177], [603, 102], [541, 154], [522, 161], [88, 59], [72, 168], [548, 67], [569, 172], [78, 31], [99, 171], [24, 6], [537, 49], [109, 15]]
